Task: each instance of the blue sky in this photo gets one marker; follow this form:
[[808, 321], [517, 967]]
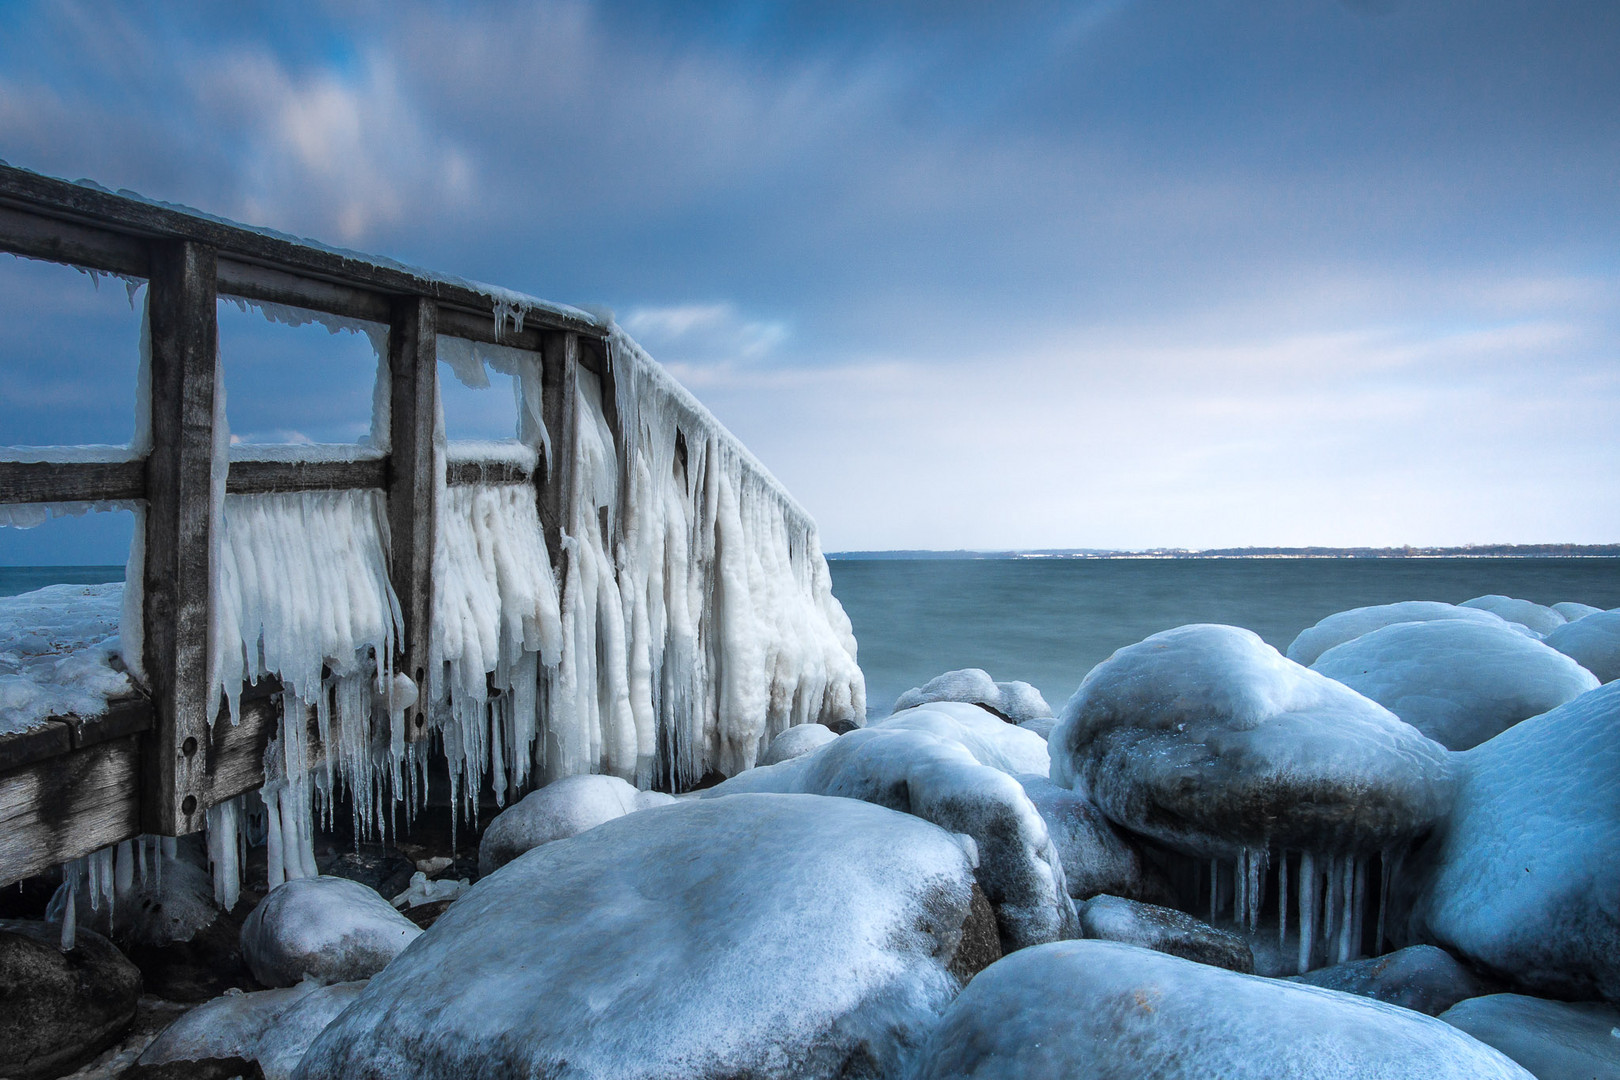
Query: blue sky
[[963, 275]]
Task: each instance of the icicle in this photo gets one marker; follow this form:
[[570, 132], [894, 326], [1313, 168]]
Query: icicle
[[1282, 899], [1214, 890], [1383, 899], [70, 921], [1307, 909], [1346, 894]]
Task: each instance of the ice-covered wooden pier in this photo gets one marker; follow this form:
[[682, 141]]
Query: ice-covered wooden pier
[[620, 588]]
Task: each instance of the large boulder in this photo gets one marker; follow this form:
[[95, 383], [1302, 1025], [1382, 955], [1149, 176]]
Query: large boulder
[[236, 1033], [1096, 856], [1537, 618], [940, 780], [1111, 1011], [992, 742], [561, 809], [60, 1009], [1459, 683], [753, 936], [1573, 611], [1166, 930], [1522, 879], [329, 929], [1556, 1040], [1420, 977], [1344, 626], [1592, 642], [1209, 741], [796, 741], [1014, 702]]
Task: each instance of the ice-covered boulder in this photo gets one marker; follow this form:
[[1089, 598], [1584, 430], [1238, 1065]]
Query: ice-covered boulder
[[796, 740], [779, 936], [557, 811], [1012, 701], [1041, 725], [1344, 626], [1555, 1040], [233, 1033], [1522, 880], [1209, 741], [1592, 642], [59, 1008], [1166, 930], [939, 780], [1539, 618], [329, 929], [991, 741], [1420, 977], [1573, 611], [1096, 856], [285, 1041], [1459, 683], [1106, 1010]]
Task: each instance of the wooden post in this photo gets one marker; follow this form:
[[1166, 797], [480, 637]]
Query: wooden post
[[559, 364], [412, 485], [179, 523]]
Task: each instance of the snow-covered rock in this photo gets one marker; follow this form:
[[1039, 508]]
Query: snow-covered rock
[[1012, 701], [1096, 856], [1344, 626], [58, 653], [1209, 741], [1539, 618], [1573, 611], [557, 811], [991, 741], [1555, 1040], [330, 929], [1166, 930], [1459, 683], [1592, 642], [796, 740], [753, 936], [935, 778], [1102, 1009], [272, 1028], [1420, 977], [1041, 725], [285, 1040], [1522, 879]]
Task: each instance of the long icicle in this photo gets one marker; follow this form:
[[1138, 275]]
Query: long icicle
[[1307, 908]]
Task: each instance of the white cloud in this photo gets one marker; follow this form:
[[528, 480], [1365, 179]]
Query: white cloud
[[704, 338]]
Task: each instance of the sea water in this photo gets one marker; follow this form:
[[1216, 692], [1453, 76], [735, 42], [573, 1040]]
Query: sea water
[[1048, 621]]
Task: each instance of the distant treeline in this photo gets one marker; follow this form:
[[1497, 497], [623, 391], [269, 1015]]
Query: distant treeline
[[1471, 551]]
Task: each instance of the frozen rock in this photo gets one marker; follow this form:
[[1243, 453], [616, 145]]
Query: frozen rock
[[991, 741], [1521, 880], [221, 1033], [758, 936], [1041, 726], [1592, 642], [59, 1009], [1421, 978], [1165, 930], [1096, 857], [287, 1038], [796, 740], [1102, 1009], [1556, 1040], [1209, 741], [1014, 702], [1459, 683], [422, 891], [330, 929], [1344, 626], [1573, 611], [557, 811], [1539, 618], [922, 773]]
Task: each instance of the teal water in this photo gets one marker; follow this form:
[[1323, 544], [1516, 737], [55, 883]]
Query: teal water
[[1049, 621], [21, 579]]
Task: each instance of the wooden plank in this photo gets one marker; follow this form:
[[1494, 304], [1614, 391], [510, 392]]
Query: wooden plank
[[18, 748], [71, 481], [235, 758], [412, 484], [124, 716], [265, 477], [67, 806], [480, 326], [179, 522], [486, 472], [251, 281], [29, 234], [554, 480]]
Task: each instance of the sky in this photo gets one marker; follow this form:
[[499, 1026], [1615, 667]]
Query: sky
[[1022, 275]]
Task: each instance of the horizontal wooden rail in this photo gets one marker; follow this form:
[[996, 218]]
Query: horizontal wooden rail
[[71, 481], [486, 472], [265, 477]]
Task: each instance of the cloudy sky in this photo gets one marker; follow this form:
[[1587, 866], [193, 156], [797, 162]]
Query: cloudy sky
[[1101, 274]]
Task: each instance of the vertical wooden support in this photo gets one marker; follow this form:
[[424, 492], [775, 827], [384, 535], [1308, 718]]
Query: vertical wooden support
[[179, 523], [412, 484], [559, 364]]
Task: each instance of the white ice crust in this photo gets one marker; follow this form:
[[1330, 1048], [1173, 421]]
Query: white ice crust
[[1556, 1040], [1015, 701], [1459, 683], [796, 741], [990, 739], [1101, 1009], [329, 929], [57, 653], [1344, 626], [1573, 611], [1540, 619], [557, 811], [1593, 641]]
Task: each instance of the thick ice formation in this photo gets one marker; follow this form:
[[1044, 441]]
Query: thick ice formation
[[1459, 683], [287, 1038], [1419, 977], [991, 740], [1524, 882], [557, 811], [225, 1027], [1096, 1008], [1012, 701], [1166, 930], [1592, 641], [58, 653], [796, 741], [1344, 626], [1096, 857], [764, 936], [330, 929], [1556, 1040], [937, 779], [1541, 620], [1575, 612]]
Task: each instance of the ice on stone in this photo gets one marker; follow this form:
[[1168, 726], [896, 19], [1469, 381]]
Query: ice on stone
[[59, 653], [422, 890], [1575, 612], [991, 740], [329, 929], [797, 740], [1555, 1040], [1344, 626], [1541, 620], [224, 1028], [1419, 977], [1166, 930], [557, 811], [1593, 641], [287, 1038], [1015, 702], [1459, 683], [1096, 856]]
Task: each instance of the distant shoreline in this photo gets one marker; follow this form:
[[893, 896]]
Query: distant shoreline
[[1479, 551]]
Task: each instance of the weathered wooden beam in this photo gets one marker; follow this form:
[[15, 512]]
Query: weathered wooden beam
[[266, 477], [53, 738], [266, 284], [412, 484], [179, 523], [68, 805], [480, 326], [486, 472], [37, 237], [235, 759], [554, 479], [71, 481]]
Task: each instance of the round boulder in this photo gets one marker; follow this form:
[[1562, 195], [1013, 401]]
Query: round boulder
[[1556, 1040], [797, 740], [1097, 857], [1166, 930], [60, 1009], [1592, 642], [329, 929], [1421, 978], [1344, 626], [557, 811], [1537, 618]]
